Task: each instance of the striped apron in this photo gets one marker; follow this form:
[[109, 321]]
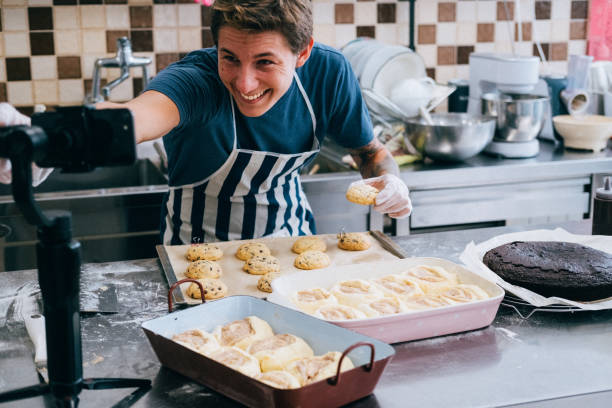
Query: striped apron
[[253, 194]]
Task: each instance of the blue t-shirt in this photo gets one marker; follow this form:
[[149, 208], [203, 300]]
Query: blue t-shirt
[[204, 138]]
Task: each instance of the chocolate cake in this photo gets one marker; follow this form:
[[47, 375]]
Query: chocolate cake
[[552, 268]]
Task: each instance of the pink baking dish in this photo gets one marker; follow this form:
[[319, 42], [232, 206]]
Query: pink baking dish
[[404, 326]]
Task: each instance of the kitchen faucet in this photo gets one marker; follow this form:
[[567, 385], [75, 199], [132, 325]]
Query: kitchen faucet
[[124, 60]]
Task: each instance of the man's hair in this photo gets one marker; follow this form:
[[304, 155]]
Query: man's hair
[[291, 18]]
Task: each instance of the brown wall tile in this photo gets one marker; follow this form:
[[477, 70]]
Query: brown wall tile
[[526, 31], [463, 54], [580, 9], [142, 40], [205, 16], [386, 13], [164, 1], [366, 31], [545, 50], [426, 34], [64, 2], [87, 84], [90, 2], [69, 67], [431, 72], [501, 11], [578, 30], [447, 55], [0, 20], [542, 10], [163, 60], [111, 39], [25, 110], [182, 2], [447, 11], [3, 92], [115, 1], [40, 18], [18, 69], [344, 13], [558, 51], [137, 86], [207, 38], [485, 32], [41, 43], [141, 16]]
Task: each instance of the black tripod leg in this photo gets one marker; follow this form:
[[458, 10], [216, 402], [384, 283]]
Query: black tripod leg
[[26, 392], [108, 383]]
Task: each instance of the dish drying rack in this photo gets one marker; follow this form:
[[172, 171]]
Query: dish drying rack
[[525, 309]]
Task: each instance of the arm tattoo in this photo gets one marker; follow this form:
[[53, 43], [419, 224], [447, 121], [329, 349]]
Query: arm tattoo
[[374, 160]]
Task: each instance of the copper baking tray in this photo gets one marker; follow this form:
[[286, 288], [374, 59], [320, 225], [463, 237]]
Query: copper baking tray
[[370, 356]]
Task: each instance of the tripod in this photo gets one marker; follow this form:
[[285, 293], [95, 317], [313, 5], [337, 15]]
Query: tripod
[[59, 262]]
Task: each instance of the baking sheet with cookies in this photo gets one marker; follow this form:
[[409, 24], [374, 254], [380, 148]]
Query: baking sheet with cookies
[[239, 282], [406, 326]]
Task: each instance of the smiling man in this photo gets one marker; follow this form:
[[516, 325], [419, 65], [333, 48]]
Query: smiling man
[[240, 119]]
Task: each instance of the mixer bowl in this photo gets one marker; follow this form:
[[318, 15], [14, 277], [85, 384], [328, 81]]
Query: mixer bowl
[[519, 117], [452, 137]]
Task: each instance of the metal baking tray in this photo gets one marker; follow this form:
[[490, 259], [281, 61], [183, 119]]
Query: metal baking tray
[[321, 336], [403, 326]]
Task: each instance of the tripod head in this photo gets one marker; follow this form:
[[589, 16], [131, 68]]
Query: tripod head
[[74, 139]]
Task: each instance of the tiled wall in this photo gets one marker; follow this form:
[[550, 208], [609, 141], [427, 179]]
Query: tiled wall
[[48, 47]]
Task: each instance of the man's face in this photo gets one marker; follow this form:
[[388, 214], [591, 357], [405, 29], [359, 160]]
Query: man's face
[[256, 68]]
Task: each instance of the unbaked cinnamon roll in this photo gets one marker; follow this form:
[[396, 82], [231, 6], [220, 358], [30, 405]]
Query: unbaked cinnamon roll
[[464, 293], [313, 369], [241, 333], [383, 307], [355, 292], [431, 278], [399, 286], [309, 300], [237, 359], [338, 312], [275, 352], [198, 341], [279, 379]]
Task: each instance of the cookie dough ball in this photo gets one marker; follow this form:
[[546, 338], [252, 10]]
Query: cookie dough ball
[[242, 333], [311, 243], [213, 289], [312, 369], [237, 359], [309, 300], [262, 264], [250, 249], [353, 241], [265, 282], [312, 260], [361, 193], [198, 341], [209, 252], [203, 269], [279, 379], [431, 278], [338, 312], [356, 291], [275, 352]]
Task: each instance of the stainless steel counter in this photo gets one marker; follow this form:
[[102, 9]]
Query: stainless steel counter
[[548, 360]]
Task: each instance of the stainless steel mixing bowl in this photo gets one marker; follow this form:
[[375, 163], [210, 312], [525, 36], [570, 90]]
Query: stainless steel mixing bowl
[[452, 137], [519, 117]]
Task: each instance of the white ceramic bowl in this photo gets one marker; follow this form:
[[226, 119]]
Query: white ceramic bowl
[[588, 132]]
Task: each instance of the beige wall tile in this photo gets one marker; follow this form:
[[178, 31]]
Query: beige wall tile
[[527, 10], [189, 39], [403, 36], [71, 91], [66, 17], [365, 13], [345, 33], [429, 53], [446, 34], [117, 17], [16, 44], [67, 42], [503, 47], [466, 33], [20, 93], [14, 19], [403, 12], [486, 11], [94, 41], [324, 33], [577, 47], [1, 44], [484, 47], [139, 2], [122, 92], [323, 13], [445, 73], [87, 64], [43, 67], [14, 3], [2, 70], [40, 2], [165, 40], [560, 9], [462, 71], [45, 92], [504, 32], [523, 48], [189, 15], [164, 15], [426, 12], [466, 11], [387, 33], [541, 31], [93, 17]]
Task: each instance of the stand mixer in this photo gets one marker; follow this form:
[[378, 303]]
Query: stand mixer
[[505, 74]]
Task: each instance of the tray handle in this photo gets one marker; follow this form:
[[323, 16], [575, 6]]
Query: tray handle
[[177, 283], [368, 367]]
